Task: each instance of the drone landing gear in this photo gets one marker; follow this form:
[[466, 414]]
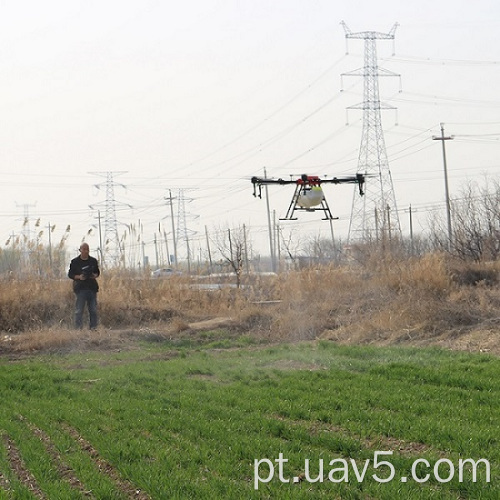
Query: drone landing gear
[[326, 209], [295, 206]]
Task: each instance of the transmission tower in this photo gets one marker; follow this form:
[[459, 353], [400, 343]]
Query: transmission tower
[[26, 221], [110, 246], [374, 216], [183, 232]]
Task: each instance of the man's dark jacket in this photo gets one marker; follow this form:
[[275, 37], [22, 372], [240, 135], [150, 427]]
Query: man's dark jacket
[[87, 267]]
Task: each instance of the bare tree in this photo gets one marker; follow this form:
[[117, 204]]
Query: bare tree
[[475, 223], [231, 244], [322, 250], [291, 246]]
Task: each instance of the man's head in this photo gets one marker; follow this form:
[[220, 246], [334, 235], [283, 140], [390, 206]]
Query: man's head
[[84, 251]]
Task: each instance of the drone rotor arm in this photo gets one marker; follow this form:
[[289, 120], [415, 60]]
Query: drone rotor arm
[[352, 179], [263, 181]]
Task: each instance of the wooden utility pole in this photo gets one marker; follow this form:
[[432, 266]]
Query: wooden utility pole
[[444, 138], [101, 250], [166, 247], [50, 245], [245, 246], [411, 232], [209, 251], [173, 227], [271, 246]]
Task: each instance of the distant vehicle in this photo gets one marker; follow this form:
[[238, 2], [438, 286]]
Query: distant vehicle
[[165, 272]]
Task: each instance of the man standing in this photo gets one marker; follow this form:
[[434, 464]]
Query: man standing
[[84, 270]]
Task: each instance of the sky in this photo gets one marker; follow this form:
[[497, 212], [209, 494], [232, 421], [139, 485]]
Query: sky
[[191, 99]]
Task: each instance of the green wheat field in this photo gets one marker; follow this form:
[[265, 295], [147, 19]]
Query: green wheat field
[[183, 420]]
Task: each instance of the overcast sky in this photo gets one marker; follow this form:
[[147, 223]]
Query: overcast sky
[[200, 95]]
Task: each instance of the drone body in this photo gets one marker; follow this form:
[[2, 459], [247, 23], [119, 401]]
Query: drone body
[[308, 195]]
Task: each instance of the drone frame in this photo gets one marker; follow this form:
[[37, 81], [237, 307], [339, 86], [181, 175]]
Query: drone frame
[[303, 184]]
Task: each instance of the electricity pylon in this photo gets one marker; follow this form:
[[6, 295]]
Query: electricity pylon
[[183, 232], [374, 216], [111, 251], [26, 222]]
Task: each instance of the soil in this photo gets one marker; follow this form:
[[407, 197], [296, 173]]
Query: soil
[[26, 344]]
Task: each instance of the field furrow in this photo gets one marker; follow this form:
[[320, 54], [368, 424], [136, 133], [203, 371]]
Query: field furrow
[[106, 468], [19, 468]]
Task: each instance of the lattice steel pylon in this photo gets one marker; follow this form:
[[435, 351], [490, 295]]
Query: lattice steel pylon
[[110, 246], [183, 233], [374, 216]]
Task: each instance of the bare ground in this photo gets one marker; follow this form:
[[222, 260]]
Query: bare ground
[[485, 339], [481, 340]]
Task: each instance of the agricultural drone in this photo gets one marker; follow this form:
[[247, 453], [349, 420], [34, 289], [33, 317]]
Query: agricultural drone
[[308, 194]]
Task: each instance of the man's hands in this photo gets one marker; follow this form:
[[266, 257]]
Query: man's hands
[[83, 277], [80, 277]]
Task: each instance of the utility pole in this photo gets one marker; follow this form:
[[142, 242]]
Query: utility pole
[[246, 249], [50, 228], [332, 234], [166, 247], [277, 245], [271, 246], [443, 138], [174, 239], [209, 251], [100, 237], [411, 232], [142, 263]]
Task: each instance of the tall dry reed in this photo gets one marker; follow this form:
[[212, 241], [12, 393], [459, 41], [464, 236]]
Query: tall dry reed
[[387, 299]]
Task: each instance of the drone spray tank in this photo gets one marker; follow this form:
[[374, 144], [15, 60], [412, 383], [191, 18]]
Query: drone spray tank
[[311, 197], [310, 193]]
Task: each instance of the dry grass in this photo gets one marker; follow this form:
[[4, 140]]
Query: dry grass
[[387, 301]]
